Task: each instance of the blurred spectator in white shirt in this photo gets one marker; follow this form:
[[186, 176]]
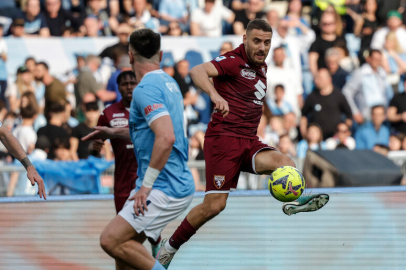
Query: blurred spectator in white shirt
[[342, 137], [286, 146], [142, 16], [208, 20], [394, 24], [272, 17]]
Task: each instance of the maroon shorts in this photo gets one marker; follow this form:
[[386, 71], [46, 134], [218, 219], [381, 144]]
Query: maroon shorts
[[226, 157], [119, 201]]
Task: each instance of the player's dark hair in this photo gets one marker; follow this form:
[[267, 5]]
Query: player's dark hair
[[124, 74], [280, 86], [43, 143], [145, 42], [28, 112], [259, 24], [43, 64]]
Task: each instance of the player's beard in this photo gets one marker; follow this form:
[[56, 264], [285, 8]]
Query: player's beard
[[251, 55]]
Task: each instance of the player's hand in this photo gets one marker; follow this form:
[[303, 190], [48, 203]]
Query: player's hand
[[100, 132], [98, 145], [34, 177], [404, 117], [140, 200], [221, 104]]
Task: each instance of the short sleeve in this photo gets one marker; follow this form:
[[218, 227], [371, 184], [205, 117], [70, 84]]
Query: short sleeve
[[43, 21], [226, 65], [394, 103], [225, 13], [307, 107], [314, 47], [150, 102], [196, 16], [103, 122]]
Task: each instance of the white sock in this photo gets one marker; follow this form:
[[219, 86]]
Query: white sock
[[169, 248]]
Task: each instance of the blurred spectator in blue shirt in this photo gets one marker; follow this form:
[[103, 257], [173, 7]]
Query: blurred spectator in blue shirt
[[142, 16], [279, 106], [174, 10], [94, 8], [3, 70], [373, 132], [122, 63], [35, 21], [314, 141]]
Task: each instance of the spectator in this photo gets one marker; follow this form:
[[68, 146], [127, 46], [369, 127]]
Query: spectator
[[394, 62], [122, 63], [286, 146], [127, 11], [296, 21], [237, 5], [289, 121], [395, 142], [368, 87], [404, 144], [338, 75], [61, 150], [54, 89], [94, 9], [394, 24], [279, 74], [31, 64], [196, 153], [17, 28], [347, 62], [277, 126], [325, 106], [35, 21], [330, 34], [168, 66], [365, 26], [314, 141], [123, 33], [174, 29], [174, 10], [381, 149], [226, 47], [57, 18], [208, 20], [53, 130], [23, 83], [272, 17], [3, 70], [91, 26], [384, 7], [279, 105], [143, 17], [86, 82], [25, 133], [397, 112], [81, 149], [373, 132], [244, 16], [342, 137]]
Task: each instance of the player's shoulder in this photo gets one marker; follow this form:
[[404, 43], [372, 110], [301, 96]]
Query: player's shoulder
[[113, 108]]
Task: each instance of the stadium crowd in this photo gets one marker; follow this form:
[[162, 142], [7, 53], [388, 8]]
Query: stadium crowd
[[319, 96]]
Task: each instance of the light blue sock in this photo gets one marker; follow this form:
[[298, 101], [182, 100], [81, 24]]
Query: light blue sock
[[157, 266]]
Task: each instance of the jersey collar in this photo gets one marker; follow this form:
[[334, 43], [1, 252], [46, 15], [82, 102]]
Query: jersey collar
[[158, 71]]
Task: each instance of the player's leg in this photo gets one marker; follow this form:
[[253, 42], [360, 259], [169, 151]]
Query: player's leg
[[266, 161], [117, 240]]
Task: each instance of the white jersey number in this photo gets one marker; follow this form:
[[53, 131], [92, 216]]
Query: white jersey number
[[260, 86]]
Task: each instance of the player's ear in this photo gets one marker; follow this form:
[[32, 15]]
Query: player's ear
[[130, 54], [244, 39]]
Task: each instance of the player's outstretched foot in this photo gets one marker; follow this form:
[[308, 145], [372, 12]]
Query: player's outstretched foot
[[305, 203], [164, 257]]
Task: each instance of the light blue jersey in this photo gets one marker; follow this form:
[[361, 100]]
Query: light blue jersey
[[157, 95]]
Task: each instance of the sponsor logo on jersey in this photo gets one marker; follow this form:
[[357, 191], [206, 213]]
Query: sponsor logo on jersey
[[248, 73], [218, 59], [258, 102], [118, 114], [264, 71], [119, 122], [130, 146], [232, 57], [219, 181], [151, 108]]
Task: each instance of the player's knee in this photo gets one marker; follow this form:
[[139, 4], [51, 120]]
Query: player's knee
[[216, 208]]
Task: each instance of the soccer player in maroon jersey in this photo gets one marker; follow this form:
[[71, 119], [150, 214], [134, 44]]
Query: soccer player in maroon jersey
[[125, 173], [231, 144]]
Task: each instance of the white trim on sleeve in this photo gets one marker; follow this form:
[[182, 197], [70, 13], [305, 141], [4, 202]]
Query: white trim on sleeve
[[156, 117]]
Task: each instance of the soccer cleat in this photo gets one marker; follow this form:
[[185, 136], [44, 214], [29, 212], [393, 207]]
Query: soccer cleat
[[305, 203], [155, 249], [164, 257]]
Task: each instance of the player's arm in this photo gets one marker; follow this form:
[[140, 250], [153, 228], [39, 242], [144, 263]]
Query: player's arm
[[201, 78], [16, 150], [104, 133]]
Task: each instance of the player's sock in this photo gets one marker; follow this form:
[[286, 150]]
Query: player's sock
[[154, 243], [180, 236], [158, 266]]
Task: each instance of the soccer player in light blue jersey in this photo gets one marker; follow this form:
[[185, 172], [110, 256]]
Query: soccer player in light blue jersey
[[165, 185]]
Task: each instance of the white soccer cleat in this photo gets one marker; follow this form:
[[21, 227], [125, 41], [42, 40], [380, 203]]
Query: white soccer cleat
[[305, 203], [164, 257]]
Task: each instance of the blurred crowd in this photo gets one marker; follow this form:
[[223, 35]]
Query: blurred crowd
[[336, 71]]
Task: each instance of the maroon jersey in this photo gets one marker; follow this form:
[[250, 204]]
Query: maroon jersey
[[125, 174], [243, 86]]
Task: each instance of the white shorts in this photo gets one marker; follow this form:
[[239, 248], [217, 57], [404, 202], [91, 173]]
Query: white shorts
[[162, 209]]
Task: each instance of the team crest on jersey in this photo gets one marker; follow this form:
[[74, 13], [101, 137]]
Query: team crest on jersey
[[218, 59], [263, 71], [219, 181], [119, 122], [247, 65], [248, 73]]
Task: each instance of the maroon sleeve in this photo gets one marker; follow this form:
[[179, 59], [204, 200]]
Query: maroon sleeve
[[226, 65], [103, 120]]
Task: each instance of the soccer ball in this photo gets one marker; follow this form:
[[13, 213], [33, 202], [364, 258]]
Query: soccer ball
[[286, 184]]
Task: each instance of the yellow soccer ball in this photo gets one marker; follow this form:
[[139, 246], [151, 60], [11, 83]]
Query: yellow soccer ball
[[286, 184]]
